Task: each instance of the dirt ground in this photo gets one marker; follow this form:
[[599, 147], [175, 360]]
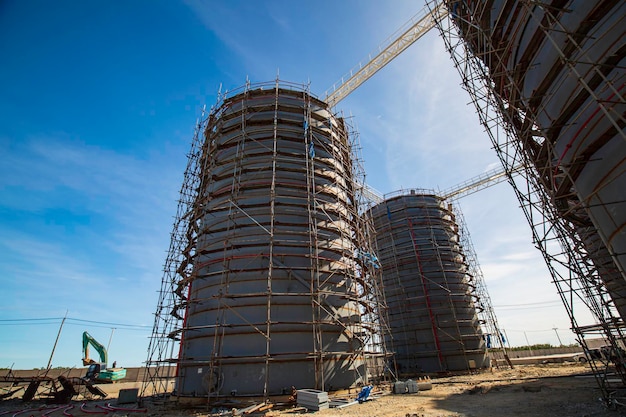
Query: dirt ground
[[527, 390], [560, 390]]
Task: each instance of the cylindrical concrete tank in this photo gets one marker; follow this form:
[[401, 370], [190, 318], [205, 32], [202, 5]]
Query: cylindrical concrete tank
[[432, 319], [561, 68], [273, 303]]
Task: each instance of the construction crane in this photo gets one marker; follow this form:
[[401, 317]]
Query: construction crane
[[465, 188], [398, 42], [404, 37], [479, 182]]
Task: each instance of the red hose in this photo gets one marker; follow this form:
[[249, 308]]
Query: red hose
[[65, 412], [84, 410], [28, 409], [109, 407], [53, 410]]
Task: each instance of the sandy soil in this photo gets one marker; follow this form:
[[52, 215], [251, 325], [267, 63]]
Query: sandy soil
[[524, 391], [560, 390]]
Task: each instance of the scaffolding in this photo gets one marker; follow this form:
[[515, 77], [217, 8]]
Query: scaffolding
[[584, 265], [494, 336], [374, 308], [267, 232], [169, 317]]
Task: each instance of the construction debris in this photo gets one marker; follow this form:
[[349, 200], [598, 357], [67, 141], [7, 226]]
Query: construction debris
[[424, 383], [341, 403], [411, 386], [313, 400]]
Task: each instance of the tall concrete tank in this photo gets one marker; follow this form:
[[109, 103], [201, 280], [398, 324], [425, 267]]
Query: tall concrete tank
[[561, 66], [431, 306], [274, 301]]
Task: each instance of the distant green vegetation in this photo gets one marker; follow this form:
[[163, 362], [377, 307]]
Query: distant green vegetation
[[537, 347]]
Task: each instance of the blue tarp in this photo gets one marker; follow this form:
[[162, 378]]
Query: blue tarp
[[365, 392]]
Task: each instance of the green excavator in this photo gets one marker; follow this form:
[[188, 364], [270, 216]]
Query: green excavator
[[98, 371]]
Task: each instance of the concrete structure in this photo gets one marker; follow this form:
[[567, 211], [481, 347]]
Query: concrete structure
[[275, 294], [433, 320], [547, 80], [561, 67]]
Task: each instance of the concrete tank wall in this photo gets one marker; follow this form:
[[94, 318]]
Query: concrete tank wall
[[562, 67], [274, 299], [432, 317]]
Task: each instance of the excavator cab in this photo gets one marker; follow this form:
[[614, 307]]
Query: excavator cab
[[94, 369]]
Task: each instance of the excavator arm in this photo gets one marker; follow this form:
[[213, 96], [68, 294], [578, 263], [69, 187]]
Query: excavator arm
[[88, 340]]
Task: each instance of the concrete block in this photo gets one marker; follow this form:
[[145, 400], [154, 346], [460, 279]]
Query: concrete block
[[128, 396]]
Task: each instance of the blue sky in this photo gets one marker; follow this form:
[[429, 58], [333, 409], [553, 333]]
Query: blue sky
[[98, 100]]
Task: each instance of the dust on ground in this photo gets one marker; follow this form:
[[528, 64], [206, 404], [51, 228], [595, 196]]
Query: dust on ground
[[559, 390]]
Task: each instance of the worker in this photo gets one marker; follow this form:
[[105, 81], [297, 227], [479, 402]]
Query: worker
[[294, 395], [115, 364]]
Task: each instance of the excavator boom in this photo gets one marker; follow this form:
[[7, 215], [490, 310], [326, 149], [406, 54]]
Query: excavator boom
[[88, 340]]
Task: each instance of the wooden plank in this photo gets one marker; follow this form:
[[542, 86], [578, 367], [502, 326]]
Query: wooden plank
[[266, 407], [254, 408]]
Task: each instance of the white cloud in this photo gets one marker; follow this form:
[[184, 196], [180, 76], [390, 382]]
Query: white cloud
[[107, 267], [126, 205]]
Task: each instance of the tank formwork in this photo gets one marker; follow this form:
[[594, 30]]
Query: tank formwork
[[432, 316], [274, 300], [560, 67]]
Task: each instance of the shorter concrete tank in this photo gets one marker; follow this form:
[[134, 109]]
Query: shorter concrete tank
[[432, 316]]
